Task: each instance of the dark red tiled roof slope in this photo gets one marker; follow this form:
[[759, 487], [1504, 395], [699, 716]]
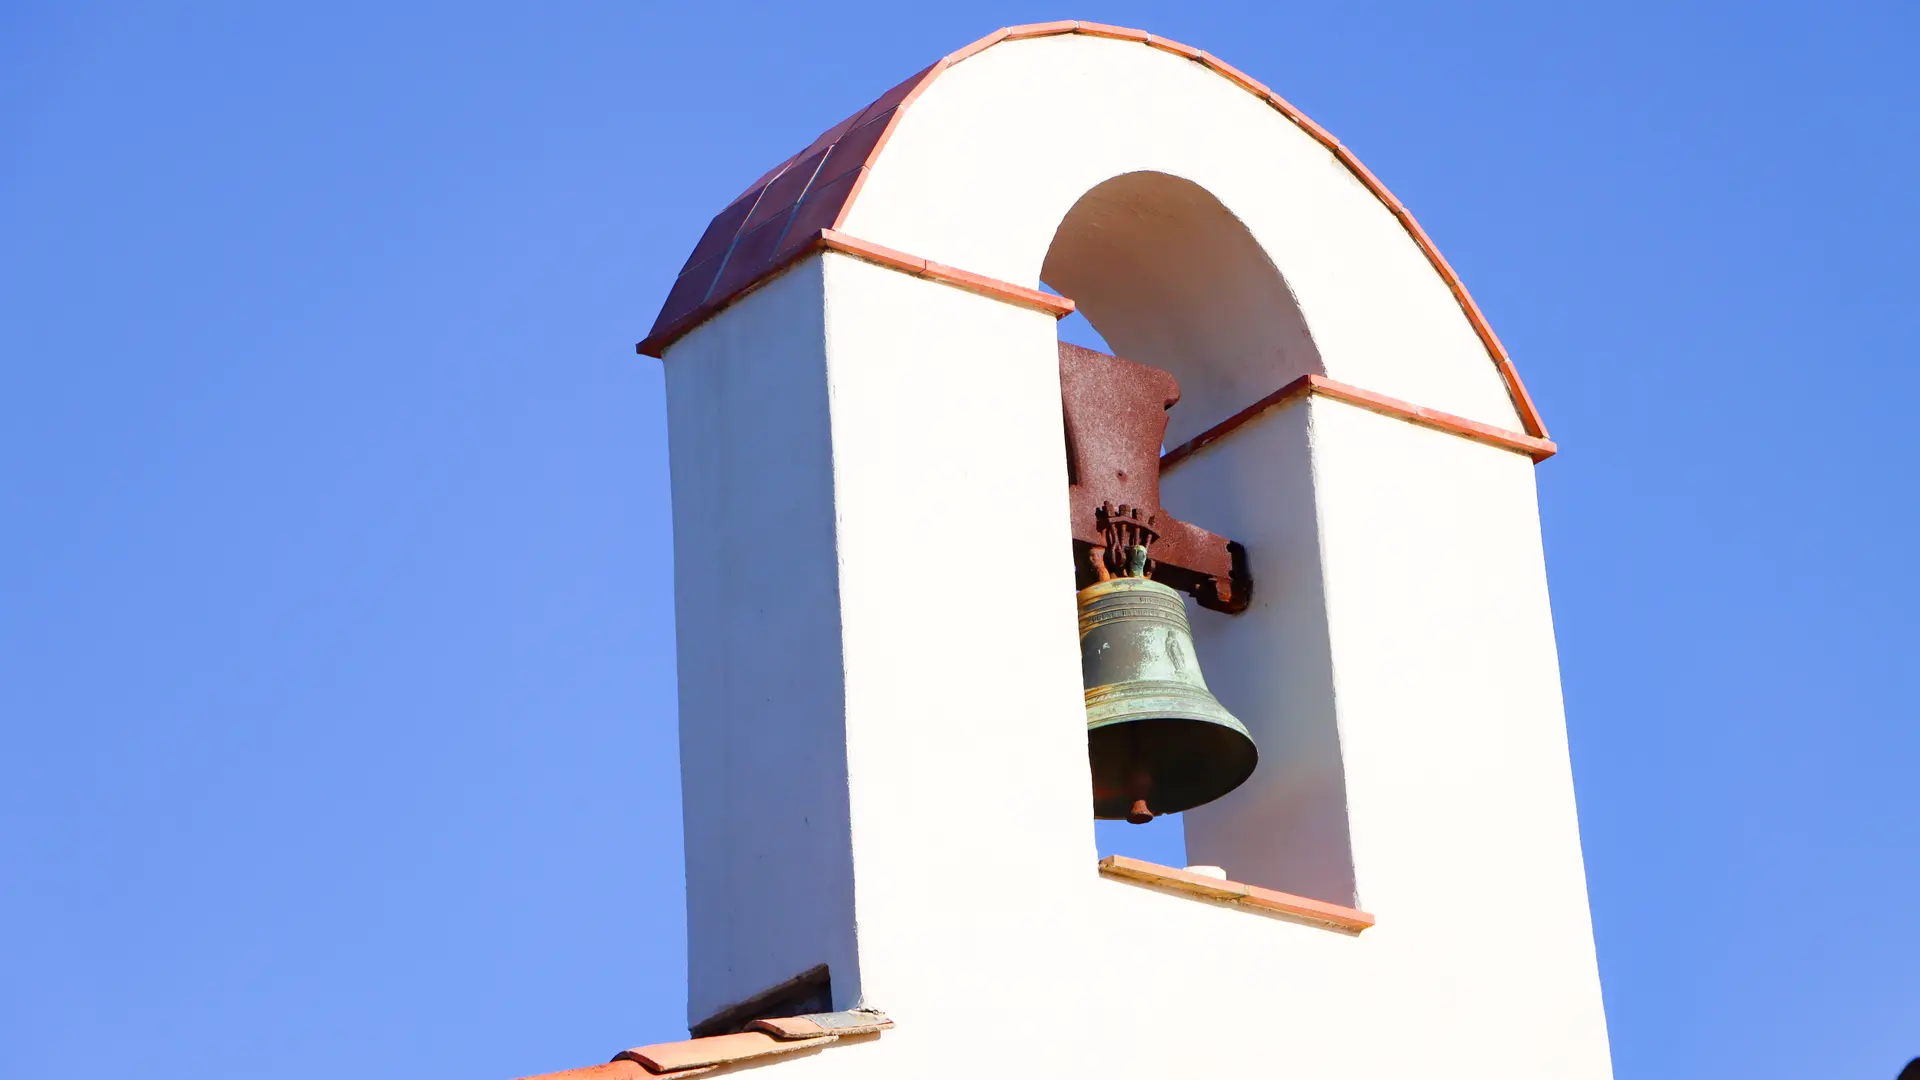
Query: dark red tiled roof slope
[[785, 209], [782, 215]]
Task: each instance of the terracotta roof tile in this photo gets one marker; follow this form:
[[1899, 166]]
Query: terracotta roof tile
[[752, 253], [835, 133], [902, 92], [852, 1022], [721, 230], [830, 166], [817, 211], [753, 189], [784, 193], [691, 289], [1124, 33], [1045, 29], [854, 147], [697, 1057], [719, 1050], [617, 1069]]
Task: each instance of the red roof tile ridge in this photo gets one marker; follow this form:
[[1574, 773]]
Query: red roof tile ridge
[[674, 1057], [764, 1039], [732, 258]]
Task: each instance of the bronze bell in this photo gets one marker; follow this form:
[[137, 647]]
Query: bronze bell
[[1158, 740]]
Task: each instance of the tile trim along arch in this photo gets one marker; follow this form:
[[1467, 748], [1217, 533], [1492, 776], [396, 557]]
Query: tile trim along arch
[[780, 217]]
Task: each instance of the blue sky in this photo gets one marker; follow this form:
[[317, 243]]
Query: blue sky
[[336, 660]]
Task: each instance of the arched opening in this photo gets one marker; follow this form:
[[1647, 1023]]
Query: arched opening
[[1170, 277]]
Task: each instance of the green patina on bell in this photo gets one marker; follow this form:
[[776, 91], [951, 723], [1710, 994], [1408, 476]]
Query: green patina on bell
[[1158, 740]]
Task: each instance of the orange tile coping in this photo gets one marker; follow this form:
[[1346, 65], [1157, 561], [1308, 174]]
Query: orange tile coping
[[1059, 307], [1235, 893], [1535, 448], [763, 1039], [708, 283]]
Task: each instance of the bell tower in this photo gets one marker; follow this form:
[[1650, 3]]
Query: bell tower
[[941, 599]]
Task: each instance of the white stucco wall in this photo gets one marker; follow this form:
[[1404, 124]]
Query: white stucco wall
[[972, 830], [1460, 792], [763, 743], [974, 890], [1271, 665]]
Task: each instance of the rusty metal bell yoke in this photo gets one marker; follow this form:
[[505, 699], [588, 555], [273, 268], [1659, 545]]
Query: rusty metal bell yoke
[[1158, 740]]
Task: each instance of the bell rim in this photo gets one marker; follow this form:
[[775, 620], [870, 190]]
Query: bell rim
[[1231, 723], [1245, 762]]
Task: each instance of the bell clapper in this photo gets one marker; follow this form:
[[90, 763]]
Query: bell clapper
[[1139, 815]]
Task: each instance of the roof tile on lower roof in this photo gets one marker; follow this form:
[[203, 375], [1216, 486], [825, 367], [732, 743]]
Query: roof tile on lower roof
[[764, 1039], [617, 1069]]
